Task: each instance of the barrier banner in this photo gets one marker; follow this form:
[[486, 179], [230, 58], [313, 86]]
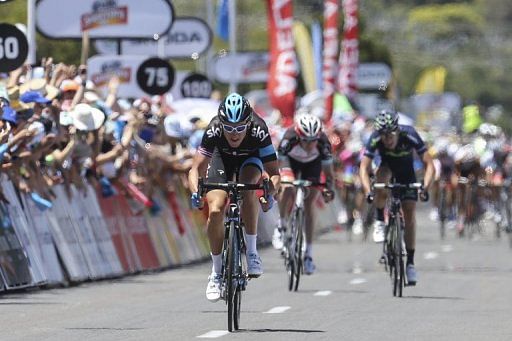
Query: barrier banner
[[38, 222], [65, 237], [161, 239], [349, 57], [121, 239], [26, 236], [330, 65], [14, 264], [139, 233], [101, 234], [282, 81]]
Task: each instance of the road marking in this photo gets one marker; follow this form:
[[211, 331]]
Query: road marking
[[277, 310], [213, 334], [323, 293], [356, 281], [430, 255], [447, 248]]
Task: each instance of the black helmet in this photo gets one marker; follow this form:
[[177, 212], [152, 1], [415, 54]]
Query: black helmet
[[386, 121], [235, 109]]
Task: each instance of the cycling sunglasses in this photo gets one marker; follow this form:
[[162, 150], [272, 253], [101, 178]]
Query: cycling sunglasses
[[230, 129]]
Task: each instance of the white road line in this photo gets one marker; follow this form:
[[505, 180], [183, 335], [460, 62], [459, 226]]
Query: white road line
[[430, 255], [213, 334], [447, 248], [356, 281], [277, 310], [323, 293]]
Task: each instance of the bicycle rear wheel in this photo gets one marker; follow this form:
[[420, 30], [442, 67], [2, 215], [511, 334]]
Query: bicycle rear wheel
[[299, 239]]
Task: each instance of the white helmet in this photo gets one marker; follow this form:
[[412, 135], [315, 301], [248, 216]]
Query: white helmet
[[466, 153], [308, 126]]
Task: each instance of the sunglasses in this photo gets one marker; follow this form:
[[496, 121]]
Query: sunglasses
[[388, 134], [231, 130]]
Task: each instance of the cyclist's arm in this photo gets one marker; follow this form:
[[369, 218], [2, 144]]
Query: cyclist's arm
[[198, 169], [429, 170], [272, 168], [364, 173]]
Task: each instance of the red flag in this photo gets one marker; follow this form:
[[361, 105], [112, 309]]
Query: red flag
[[349, 57], [282, 81], [331, 12]]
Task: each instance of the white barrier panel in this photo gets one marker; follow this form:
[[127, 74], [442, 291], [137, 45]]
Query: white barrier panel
[[85, 235], [26, 235], [101, 233], [38, 222], [65, 237]]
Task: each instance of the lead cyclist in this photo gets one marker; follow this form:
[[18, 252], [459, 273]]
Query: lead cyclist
[[236, 139]]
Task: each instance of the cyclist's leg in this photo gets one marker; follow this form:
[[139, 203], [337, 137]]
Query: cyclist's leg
[[409, 211], [250, 173], [383, 174]]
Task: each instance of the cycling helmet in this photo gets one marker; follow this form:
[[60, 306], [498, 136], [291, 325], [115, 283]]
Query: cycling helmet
[[235, 109], [465, 154], [308, 126], [386, 121]]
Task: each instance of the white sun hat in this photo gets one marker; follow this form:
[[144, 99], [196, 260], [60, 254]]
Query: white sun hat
[[87, 118]]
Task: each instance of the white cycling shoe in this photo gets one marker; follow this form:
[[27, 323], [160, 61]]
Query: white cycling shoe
[[357, 227], [213, 287], [378, 231], [309, 266], [277, 239], [411, 274], [254, 265]]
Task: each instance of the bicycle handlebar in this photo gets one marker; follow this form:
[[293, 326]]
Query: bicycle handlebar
[[232, 186], [415, 185], [304, 183]]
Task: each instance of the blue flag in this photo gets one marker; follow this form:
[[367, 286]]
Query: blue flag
[[223, 19]]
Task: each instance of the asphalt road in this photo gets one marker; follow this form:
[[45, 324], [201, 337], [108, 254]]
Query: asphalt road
[[464, 293]]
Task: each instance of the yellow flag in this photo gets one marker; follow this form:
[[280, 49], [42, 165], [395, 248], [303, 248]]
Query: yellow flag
[[304, 49], [431, 80]]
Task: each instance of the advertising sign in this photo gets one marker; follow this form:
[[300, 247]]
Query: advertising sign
[[243, 67], [196, 85], [13, 48], [188, 37], [155, 76], [103, 67], [104, 18], [372, 76]]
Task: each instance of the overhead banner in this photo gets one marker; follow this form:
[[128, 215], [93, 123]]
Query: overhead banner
[[189, 37], [304, 48], [241, 67], [59, 19], [282, 81], [330, 66], [349, 57]]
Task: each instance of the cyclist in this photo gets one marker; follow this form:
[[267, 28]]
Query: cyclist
[[304, 151], [395, 144], [236, 139]]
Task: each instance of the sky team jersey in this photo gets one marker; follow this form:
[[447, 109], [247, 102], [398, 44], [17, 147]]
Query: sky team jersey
[[290, 147], [257, 142]]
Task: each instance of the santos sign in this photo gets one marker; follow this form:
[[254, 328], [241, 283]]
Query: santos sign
[[187, 37], [104, 18]]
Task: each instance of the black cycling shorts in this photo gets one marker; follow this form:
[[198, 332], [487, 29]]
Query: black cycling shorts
[[404, 177], [222, 167], [306, 170]]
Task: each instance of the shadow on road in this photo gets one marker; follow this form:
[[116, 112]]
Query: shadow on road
[[29, 303], [454, 298], [303, 331]]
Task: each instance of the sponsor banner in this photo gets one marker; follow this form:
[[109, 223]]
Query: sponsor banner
[[316, 38], [349, 56], [241, 67], [38, 221], [26, 235], [330, 66], [101, 234], [373, 76], [104, 18], [189, 38], [282, 81], [102, 68], [14, 264], [304, 48], [124, 246]]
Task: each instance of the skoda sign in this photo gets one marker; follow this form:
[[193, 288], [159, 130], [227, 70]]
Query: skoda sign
[[188, 37], [104, 18]]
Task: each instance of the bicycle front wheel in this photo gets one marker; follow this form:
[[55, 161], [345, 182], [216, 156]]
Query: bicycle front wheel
[[231, 277], [299, 240]]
